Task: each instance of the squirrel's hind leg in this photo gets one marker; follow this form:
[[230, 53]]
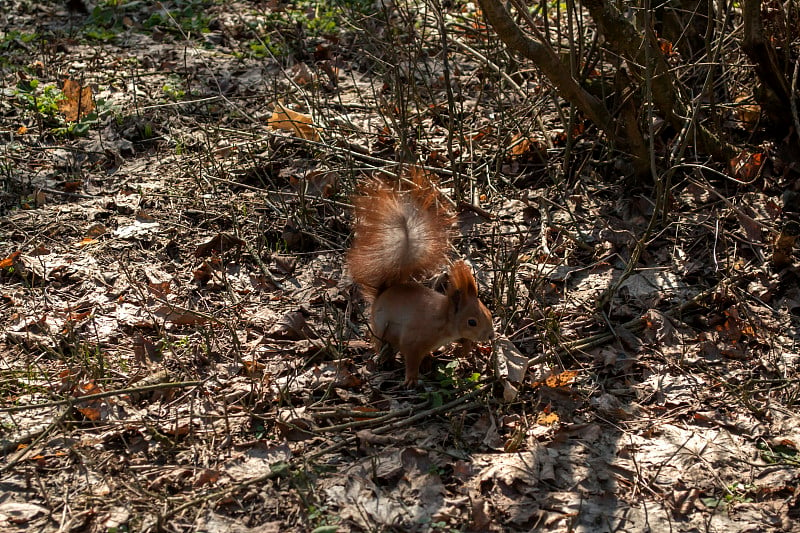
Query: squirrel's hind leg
[[383, 350]]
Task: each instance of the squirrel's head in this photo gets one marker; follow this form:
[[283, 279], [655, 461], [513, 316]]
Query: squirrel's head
[[472, 319]]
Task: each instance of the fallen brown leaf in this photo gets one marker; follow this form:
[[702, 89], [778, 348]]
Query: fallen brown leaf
[[286, 119], [77, 101]]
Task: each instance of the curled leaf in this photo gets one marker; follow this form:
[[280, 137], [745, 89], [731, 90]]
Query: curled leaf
[[286, 119]]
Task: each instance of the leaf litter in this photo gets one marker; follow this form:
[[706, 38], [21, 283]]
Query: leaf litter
[[199, 363]]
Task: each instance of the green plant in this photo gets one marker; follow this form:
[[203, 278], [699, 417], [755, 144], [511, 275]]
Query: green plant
[[98, 33], [443, 526], [779, 453], [448, 378], [323, 519], [735, 493], [106, 20], [264, 48], [9, 39], [43, 101], [287, 28], [450, 382], [188, 19], [260, 431], [173, 90], [29, 381], [76, 129], [15, 49]]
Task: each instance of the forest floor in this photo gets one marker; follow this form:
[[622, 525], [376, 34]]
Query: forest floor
[[181, 348]]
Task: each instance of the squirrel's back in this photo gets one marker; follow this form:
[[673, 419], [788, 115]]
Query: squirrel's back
[[399, 236]]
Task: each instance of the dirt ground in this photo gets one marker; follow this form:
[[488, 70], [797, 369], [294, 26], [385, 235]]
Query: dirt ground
[[182, 349]]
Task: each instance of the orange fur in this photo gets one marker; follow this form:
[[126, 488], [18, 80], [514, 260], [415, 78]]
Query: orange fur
[[461, 279], [400, 237]]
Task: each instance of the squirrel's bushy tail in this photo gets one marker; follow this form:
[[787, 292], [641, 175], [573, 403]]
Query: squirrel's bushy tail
[[399, 235]]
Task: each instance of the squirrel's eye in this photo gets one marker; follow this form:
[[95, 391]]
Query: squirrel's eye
[[472, 322]]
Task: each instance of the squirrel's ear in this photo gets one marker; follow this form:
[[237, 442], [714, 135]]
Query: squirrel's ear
[[461, 278]]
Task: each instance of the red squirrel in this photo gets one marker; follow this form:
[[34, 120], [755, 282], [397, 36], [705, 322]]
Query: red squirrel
[[401, 236]]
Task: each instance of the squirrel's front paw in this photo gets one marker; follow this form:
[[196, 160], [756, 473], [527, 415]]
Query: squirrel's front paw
[[412, 370], [412, 380]]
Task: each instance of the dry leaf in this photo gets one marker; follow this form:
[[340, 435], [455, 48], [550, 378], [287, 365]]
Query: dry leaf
[[510, 392], [747, 114], [218, 244], [301, 74], [72, 186], [11, 260], [666, 47], [181, 317], [547, 419], [89, 387], [520, 145], [176, 430], [481, 133], [292, 326], [294, 424], [95, 230], [512, 363], [285, 119], [204, 273], [561, 380], [145, 350], [746, 165], [253, 367], [317, 183], [784, 243], [90, 413], [19, 514], [77, 101], [79, 316], [206, 477]]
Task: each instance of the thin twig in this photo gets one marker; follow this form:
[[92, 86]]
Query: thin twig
[[370, 422], [99, 395], [633, 326], [283, 471], [33, 436], [402, 423]]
